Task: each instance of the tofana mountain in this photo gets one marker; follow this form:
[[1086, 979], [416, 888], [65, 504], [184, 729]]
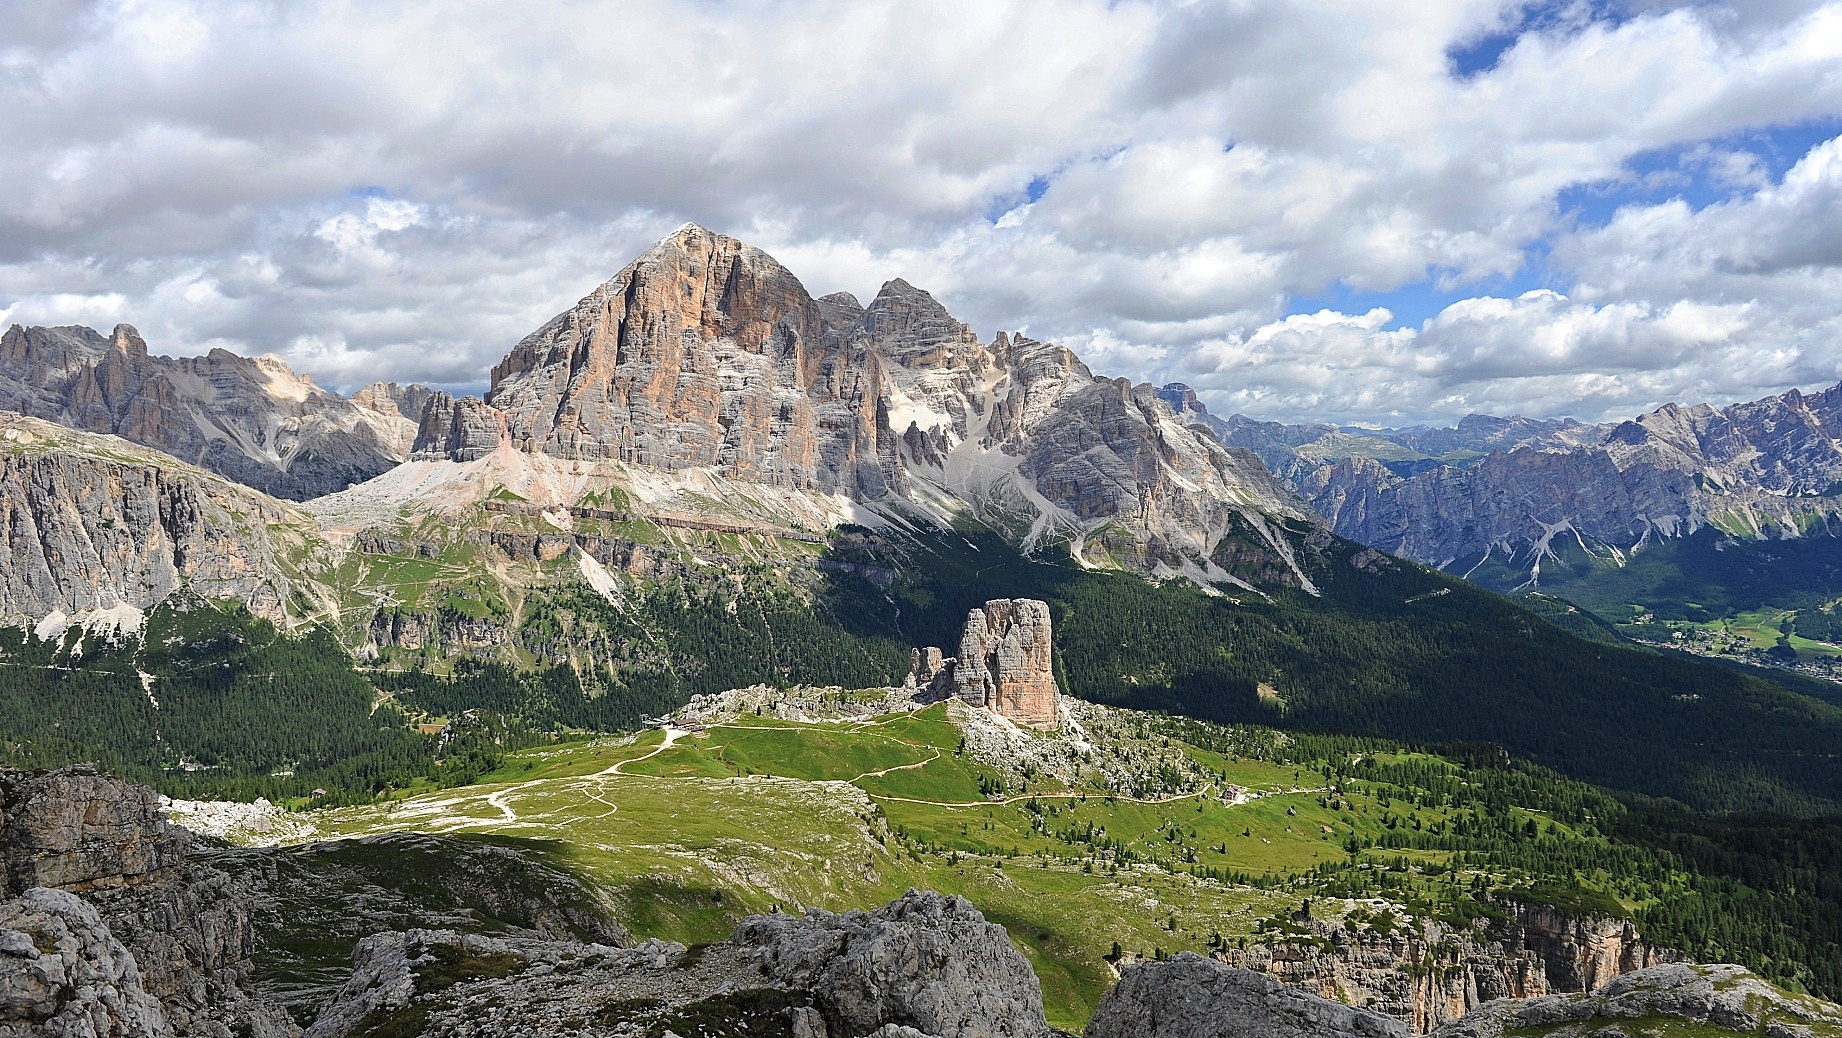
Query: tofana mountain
[[708, 360], [1709, 527], [256, 421]]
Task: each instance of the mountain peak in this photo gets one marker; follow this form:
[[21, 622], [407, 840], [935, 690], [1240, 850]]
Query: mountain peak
[[127, 340], [707, 355]]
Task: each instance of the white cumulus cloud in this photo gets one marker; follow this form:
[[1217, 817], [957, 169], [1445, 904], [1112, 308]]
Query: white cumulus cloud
[[403, 190]]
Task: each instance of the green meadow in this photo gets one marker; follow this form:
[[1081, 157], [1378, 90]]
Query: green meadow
[[696, 831]]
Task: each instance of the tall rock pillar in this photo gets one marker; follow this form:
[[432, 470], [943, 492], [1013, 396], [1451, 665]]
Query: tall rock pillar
[[1004, 661]]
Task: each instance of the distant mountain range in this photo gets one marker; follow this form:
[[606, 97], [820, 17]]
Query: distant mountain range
[[1509, 487], [254, 420], [1709, 528]]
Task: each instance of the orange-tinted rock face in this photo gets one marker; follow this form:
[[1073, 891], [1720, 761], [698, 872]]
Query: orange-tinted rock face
[[1004, 661], [704, 352]]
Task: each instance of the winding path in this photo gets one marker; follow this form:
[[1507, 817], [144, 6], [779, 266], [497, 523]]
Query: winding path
[[671, 736]]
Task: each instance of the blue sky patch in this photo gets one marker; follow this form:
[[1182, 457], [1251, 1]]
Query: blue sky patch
[[1478, 56]]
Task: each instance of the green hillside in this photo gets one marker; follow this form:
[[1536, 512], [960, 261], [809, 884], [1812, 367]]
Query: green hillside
[[1222, 834], [1386, 649], [1396, 650], [1775, 601]]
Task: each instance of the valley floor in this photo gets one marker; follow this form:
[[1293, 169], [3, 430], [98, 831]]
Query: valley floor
[[1106, 839]]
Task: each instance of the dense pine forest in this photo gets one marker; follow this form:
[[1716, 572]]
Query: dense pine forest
[[1395, 650]]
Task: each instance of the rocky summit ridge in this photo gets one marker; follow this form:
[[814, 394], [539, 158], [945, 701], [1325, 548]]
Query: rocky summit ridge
[[1511, 488], [97, 531], [252, 419], [706, 355]]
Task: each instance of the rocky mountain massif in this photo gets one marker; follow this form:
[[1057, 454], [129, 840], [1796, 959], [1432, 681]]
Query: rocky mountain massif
[[97, 531], [1516, 489], [126, 932], [701, 389], [707, 356], [254, 420]]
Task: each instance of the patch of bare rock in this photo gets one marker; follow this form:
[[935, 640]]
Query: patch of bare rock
[[1190, 996], [923, 965], [1004, 663], [1530, 951]]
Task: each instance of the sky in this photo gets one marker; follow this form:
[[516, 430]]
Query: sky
[[1369, 212]]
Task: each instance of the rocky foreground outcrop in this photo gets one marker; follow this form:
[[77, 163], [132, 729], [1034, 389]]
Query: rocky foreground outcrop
[[1193, 997], [924, 964], [1716, 997], [1005, 663], [164, 946], [1534, 951], [184, 931], [146, 934], [312, 904], [1190, 996], [253, 420], [78, 829], [62, 973]]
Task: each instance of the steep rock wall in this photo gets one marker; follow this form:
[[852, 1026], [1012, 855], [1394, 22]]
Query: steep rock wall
[[1433, 975]]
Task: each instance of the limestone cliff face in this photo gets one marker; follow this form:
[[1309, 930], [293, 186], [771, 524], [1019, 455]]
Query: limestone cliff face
[[1701, 999], [1004, 661], [156, 945], [462, 429], [91, 525], [1005, 664], [1192, 997], [1538, 952], [63, 973], [399, 407], [78, 829], [254, 420], [705, 354]]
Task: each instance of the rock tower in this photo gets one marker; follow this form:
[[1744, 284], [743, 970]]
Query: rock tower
[[1004, 663]]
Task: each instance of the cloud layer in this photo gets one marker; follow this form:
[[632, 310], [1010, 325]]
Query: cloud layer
[[1560, 208]]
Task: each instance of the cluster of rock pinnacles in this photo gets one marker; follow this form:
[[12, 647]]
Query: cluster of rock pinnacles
[[1004, 663]]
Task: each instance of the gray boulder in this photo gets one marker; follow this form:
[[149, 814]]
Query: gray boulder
[[1724, 996], [923, 961], [924, 966], [1190, 996], [78, 829], [64, 975]]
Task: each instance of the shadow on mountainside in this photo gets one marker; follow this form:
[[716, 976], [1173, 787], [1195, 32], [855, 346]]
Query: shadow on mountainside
[[1390, 649]]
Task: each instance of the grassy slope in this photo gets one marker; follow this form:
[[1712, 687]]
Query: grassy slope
[[765, 813]]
